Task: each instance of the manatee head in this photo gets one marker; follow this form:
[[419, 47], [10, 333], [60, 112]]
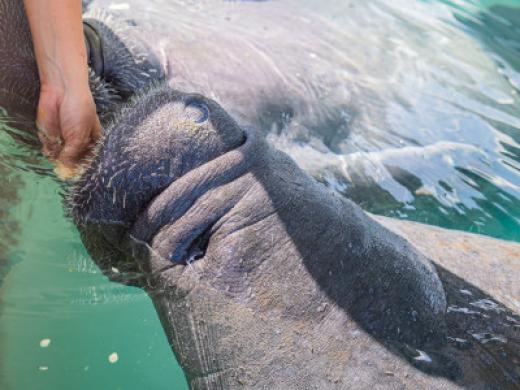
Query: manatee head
[[225, 231], [156, 138]]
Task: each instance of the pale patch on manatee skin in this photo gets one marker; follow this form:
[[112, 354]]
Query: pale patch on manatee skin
[[69, 174], [119, 6], [187, 125]]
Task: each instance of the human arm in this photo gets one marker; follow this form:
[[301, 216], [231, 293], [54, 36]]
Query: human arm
[[66, 114]]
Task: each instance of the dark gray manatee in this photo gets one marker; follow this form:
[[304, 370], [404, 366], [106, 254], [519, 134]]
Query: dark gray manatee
[[261, 276]]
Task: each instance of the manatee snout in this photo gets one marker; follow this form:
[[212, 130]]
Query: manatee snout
[[155, 140]]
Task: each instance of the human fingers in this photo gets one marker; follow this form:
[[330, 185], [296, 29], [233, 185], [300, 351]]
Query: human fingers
[[74, 149], [49, 131]]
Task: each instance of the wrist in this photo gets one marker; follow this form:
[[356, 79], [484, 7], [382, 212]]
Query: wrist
[[54, 94], [59, 42], [65, 73]]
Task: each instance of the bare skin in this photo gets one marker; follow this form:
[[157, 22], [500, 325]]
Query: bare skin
[[66, 117]]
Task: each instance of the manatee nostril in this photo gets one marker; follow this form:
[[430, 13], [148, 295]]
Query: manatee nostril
[[196, 111]]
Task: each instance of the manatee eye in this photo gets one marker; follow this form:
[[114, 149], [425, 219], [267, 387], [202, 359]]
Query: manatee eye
[[196, 111]]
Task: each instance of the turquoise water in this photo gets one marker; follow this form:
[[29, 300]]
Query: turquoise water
[[54, 291], [459, 167]]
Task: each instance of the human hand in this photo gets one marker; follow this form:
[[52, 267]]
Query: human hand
[[68, 125], [66, 118]]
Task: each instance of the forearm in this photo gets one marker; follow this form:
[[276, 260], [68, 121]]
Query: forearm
[[58, 41]]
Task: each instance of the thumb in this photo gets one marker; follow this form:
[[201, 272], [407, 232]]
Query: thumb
[[49, 131], [73, 151]]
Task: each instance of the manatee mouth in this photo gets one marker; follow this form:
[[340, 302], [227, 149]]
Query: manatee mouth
[[94, 49]]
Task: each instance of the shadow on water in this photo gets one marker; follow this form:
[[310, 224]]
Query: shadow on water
[[9, 195]]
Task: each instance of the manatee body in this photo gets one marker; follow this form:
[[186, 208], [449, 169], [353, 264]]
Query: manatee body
[[261, 275], [263, 278]]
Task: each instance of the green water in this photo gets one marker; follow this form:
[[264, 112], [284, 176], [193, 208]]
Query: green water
[[51, 290], [54, 291]]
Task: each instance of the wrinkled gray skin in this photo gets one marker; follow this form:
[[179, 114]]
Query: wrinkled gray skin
[[219, 226], [288, 285]]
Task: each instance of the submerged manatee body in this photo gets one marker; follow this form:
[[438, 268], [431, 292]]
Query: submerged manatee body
[[254, 267]]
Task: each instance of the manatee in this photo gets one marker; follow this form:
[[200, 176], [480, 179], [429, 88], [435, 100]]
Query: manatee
[[206, 312], [207, 216], [263, 278]]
